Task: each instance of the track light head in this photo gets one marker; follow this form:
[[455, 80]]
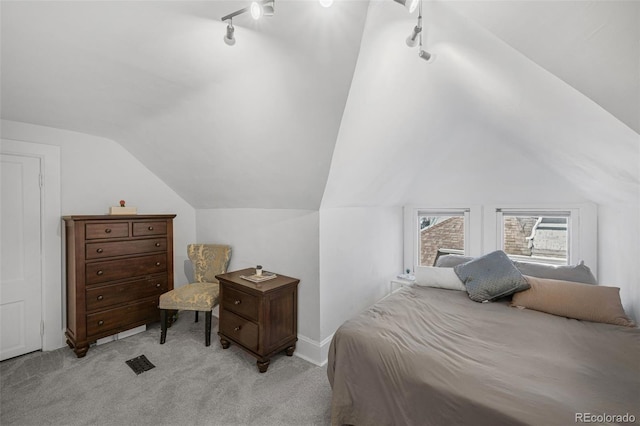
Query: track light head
[[259, 9], [229, 38], [411, 5], [412, 40], [425, 55]]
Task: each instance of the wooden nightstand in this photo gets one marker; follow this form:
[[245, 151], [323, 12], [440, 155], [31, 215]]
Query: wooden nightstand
[[260, 318]]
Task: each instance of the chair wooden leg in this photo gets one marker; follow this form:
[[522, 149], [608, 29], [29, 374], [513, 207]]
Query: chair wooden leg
[[196, 316], [207, 328], [163, 326]]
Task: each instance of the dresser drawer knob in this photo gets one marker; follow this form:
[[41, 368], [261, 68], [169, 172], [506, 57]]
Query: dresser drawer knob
[[237, 302], [100, 322], [158, 285], [100, 297], [157, 263], [238, 328], [157, 244], [99, 250], [100, 272], [150, 228], [108, 230]]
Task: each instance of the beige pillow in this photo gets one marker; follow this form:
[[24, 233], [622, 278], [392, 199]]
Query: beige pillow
[[573, 300]]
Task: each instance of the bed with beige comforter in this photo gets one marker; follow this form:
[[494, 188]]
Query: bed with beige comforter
[[428, 356]]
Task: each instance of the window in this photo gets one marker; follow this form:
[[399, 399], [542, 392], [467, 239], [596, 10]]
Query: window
[[431, 233], [439, 235], [562, 235], [538, 239]]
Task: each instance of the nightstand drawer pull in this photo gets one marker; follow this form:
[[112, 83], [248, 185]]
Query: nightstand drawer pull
[[158, 263], [237, 302], [157, 244], [150, 228], [99, 250], [158, 285], [100, 272], [237, 328], [100, 297], [108, 230], [100, 322]]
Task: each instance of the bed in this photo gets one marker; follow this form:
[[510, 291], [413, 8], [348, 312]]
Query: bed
[[432, 356]]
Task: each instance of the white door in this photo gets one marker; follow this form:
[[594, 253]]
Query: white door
[[20, 253]]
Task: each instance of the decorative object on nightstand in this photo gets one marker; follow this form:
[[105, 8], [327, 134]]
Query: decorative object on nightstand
[[261, 318], [208, 260], [117, 268]]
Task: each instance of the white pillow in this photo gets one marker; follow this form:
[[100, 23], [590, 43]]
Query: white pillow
[[433, 276]]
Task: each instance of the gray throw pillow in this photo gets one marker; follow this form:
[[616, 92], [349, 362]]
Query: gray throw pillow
[[577, 273], [490, 277], [451, 260]]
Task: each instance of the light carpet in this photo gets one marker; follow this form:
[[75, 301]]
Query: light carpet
[[190, 385]]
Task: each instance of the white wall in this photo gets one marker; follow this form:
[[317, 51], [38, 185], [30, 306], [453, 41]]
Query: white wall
[[96, 173], [360, 251], [283, 241]]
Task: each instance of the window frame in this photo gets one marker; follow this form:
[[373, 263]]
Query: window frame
[[582, 229], [472, 230]]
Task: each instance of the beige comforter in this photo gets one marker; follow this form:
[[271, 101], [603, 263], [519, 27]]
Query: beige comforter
[[427, 356]]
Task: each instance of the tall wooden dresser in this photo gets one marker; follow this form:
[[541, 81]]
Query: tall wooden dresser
[[117, 268]]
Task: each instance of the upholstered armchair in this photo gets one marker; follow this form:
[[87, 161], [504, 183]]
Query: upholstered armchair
[[208, 260]]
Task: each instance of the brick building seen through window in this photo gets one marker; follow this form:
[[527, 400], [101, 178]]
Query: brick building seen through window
[[525, 237]]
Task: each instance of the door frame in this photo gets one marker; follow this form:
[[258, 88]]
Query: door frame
[[51, 237]]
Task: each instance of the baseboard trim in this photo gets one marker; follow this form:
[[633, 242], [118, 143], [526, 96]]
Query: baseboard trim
[[313, 351]]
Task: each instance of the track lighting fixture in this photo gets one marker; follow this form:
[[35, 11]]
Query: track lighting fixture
[[411, 5], [417, 31], [229, 37], [257, 9], [416, 35]]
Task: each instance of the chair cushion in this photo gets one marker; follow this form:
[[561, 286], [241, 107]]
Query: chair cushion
[[191, 297]]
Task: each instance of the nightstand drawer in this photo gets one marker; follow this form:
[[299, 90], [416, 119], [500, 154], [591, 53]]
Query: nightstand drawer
[[240, 303], [94, 231], [241, 330], [141, 229], [101, 297], [101, 272], [122, 248]]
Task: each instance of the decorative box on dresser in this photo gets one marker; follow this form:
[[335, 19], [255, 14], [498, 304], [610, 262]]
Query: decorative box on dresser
[[261, 318], [117, 268]]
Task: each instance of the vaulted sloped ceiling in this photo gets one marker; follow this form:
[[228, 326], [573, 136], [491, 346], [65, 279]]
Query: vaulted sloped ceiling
[[255, 125]]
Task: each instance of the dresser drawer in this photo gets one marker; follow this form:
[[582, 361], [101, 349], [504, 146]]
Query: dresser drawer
[[95, 231], [241, 330], [101, 297], [141, 229], [240, 302], [120, 248], [124, 317], [109, 270]]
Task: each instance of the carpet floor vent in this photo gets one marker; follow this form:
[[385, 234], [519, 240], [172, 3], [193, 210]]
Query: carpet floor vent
[[140, 364]]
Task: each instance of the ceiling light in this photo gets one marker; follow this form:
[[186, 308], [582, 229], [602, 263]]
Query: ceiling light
[[425, 55], [411, 5], [326, 3], [259, 9], [229, 37], [412, 40], [256, 10]]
